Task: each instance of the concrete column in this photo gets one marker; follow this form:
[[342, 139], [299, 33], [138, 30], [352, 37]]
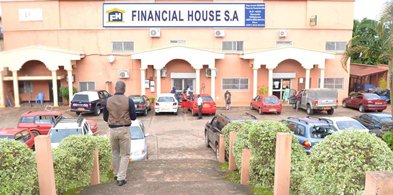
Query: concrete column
[[232, 162], [270, 82], [55, 89], [46, 173], [255, 83], [282, 168], [143, 91], [158, 87], [378, 182], [245, 170], [307, 78], [70, 86], [16, 88], [95, 174], [322, 78], [213, 83], [2, 105], [197, 89], [221, 148]]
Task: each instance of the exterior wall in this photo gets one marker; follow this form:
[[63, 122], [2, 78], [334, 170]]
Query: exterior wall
[[70, 25]]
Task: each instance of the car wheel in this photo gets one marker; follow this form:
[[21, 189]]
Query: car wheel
[[156, 113], [361, 108], [33, 147], [278, 112], [97, 111], [251, 108], [379, 110], [145, 113], [35, 132], [260, 111], [175, 113], [344, 104], [330, 112], [309, 110], [206, 140], [78, 113], [217, 152]]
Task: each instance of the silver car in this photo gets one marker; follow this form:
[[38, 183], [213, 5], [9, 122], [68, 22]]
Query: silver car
[[138, 141]]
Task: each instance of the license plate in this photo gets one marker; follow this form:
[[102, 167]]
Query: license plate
[[378, 103], [326, 108], [272, 110], [81, 109], [206, 105]]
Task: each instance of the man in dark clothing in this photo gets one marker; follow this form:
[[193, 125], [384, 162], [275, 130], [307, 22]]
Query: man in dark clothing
[[227, 96], [119, 110], [199, 103]]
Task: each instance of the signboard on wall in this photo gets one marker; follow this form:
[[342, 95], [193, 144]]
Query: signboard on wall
[[123, 15]]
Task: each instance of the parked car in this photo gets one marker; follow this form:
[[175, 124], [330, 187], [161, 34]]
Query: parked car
[[346, 123], [138, 141], [217, 123], [166, 102], [266, 104], [313, 100], [208, 105], [66, 127], [18, 134], [40, 122], [365, 102], [377, 123], [89, 102], [309, 131], [142, 104]]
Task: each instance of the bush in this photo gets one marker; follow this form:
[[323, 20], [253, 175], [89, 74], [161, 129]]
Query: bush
[[73, 162], [262, 139], [18, 170], [241, 142], [64, 91], [234, 126], [263, 90], [383, 83], [105, 157], [339, 163], [388, 138]]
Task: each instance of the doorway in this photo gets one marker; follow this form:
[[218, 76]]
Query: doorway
[[279, 85], [181, 84], [60, 98]]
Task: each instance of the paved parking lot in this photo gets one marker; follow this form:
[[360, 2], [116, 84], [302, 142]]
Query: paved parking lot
[[171, 136]]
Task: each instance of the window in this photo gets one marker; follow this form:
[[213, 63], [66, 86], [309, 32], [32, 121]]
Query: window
[[85, 86], [333, 83], [235, 83], [122, 46], [25, 87], [335, 45], [283, 43], [177, 42], [232, 45], [44, 120]]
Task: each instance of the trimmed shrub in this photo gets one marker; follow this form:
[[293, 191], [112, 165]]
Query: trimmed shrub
[[262, 139], [73, 162], [241, 142], [233, 126], [338, 164], [105, 153], [388, 138], [18, 169]]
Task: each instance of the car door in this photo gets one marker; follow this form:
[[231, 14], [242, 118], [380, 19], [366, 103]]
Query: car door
[[366, 121], [43, 124], [216, 128], [349, 101], [303, 99], [255, 102], [357, 101]]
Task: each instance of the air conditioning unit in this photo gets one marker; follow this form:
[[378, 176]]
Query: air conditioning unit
[[282, 33], [124, 74], [154, 32], [208, 72], [163, 72], [219, 33]]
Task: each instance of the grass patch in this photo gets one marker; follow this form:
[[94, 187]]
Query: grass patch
[[260, 190], [230, 176], [75, 191]]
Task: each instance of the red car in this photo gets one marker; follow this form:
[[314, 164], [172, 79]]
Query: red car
[[365, 101], [266, 104], [208, 105], [18, 134], [39, 123]]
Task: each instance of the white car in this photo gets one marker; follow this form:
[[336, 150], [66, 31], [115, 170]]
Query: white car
[[138, 141], [166, 102], [66, 127], [346, 123]]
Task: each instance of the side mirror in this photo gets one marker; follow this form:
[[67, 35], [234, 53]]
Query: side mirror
[[147, 135]]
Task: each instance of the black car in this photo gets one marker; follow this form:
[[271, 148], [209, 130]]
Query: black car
[[89, 102], [142, 104], [376, 122], [217, 123]]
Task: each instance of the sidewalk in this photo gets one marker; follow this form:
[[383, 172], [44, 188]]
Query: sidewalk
[[162, 177]]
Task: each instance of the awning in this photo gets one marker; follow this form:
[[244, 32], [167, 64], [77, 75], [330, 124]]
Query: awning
[[365, 70]]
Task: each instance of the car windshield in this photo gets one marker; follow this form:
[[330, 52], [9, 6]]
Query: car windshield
[[270, 100], [322, 131], [80, 98], [166, 99], [136, 132], [6, 137], [386, 119], [137, 99], [207, 99], [371, 96], [349, 125], [27, 119], [56, 135]]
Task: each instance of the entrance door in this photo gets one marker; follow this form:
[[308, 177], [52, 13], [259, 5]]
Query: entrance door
[[279, 85], [181, 84], [60, 98]]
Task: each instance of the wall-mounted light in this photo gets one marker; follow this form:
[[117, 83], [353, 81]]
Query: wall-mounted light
[[313, 20], [111, 59]]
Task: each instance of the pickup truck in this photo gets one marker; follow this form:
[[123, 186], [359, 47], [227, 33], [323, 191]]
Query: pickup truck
[[317, 99]]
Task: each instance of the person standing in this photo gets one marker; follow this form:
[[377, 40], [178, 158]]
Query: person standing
[[119, 110], [199, 103], [227, 96]]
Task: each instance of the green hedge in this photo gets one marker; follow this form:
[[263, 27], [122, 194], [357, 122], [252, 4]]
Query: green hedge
[[241, 142], [388, 138], [234, 126], [338, 164], [18, 170], [262, 139]]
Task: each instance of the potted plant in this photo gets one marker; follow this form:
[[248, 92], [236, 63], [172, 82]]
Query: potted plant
[[64, 93], [152, 101]]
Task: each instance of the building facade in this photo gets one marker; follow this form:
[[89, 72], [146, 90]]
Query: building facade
[[300, 45]]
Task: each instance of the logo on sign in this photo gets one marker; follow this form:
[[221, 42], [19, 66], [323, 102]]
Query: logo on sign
[[115, 15]]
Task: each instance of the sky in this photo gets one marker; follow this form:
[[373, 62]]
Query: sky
[[370, 9]]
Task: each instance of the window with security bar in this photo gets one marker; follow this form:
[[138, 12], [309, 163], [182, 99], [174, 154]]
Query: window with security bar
[[235, 83], [335, 45], [122, 46], [86, 86], [333, 83], [232, 46]]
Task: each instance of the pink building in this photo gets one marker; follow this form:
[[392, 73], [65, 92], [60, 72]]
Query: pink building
[[238, 46]]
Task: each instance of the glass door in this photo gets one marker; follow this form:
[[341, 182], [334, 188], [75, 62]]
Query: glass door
[[181, 84], [279, 86]]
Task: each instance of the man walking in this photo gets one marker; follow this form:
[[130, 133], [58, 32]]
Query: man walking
[[199, 103], [118, 113]]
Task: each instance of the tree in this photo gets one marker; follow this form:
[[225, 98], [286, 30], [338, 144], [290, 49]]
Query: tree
[[387, 19]]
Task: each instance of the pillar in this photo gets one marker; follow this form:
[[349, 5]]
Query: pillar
[[55, 89], [198, 81], [70, 86], [46, 173], [322, 83], [95, 174], [2, 105], [270, 82], [255, 83], [282, 168], [213, 83], [221, 148], [232, 162], [307, 79], [16, 87], [158, 75], [143, 91], [245, 169]]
